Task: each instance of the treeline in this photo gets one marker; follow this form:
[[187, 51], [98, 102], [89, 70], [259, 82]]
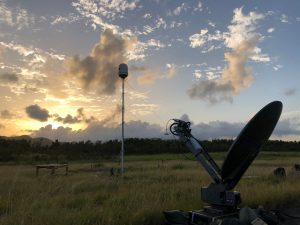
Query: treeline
[[23, 150]]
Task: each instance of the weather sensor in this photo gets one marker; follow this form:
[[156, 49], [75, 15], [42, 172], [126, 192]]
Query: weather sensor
[[123, 73], [123, 70], [222, 200]]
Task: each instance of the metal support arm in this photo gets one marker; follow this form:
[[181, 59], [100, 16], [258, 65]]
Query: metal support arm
[[182, 129]]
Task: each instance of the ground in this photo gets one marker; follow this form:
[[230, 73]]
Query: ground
[[89, 195]]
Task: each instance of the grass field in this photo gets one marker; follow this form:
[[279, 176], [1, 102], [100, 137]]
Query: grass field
[[151, 185]]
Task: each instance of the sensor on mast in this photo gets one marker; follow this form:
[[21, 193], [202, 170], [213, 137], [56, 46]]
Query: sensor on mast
[[123, 70], [123, 73]]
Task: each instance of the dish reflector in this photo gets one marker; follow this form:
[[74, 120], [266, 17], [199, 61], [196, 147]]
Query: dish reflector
[[247, 145]]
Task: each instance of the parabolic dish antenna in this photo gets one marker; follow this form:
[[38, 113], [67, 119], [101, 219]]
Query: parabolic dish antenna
[[247, 145], [223, 202]]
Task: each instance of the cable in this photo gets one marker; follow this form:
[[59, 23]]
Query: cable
[[277, 211]]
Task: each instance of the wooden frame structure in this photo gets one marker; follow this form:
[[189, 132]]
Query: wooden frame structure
[[52, 167]]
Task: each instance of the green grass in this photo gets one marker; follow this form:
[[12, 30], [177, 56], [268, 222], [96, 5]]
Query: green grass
[[151, 185]]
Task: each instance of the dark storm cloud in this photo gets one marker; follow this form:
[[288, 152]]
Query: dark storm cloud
[[99, 70], [9, 77], [37, 113]]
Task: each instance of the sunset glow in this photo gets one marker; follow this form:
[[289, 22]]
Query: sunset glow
[[213, 64]]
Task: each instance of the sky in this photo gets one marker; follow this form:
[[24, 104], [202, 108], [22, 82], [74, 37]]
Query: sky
[[210, 62]]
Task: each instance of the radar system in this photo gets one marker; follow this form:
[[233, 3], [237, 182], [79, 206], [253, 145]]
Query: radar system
[[222, 201]]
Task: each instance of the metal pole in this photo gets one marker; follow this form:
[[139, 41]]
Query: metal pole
[[122, 149]]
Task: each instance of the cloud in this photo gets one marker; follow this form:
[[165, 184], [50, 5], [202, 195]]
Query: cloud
[[9, 78], [138, 48], [290, 92], [98, 71], [143, 109], [271, 30], [5, 114], [242, 39], [95, 11], [203, 37], [216, 130], [287, 126], [37, 70], [99, 131], [171, 70], [151, 76], [37, 113], [147, 78], [113, 117], [1, 126], [137, 68], [15, 17], [199, 7], [70, 18], [69, 119], [284, 18], [236, 76], [243, 27], [259, 57], [230, 130], [147, 16], [277, 67], [179, 9]]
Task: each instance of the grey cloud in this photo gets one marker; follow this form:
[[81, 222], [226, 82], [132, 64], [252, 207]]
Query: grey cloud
[[5, 114], [61, 133], [290, 126], [37, 113], [211, 91], [186, 118], [99, 70], [290, 92], [235, 77], [99, 131], [138, 129], [68, 119], [217, 130], [223, 129], [113, 116], [9, 78]]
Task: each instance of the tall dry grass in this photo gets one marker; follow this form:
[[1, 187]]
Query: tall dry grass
[[91, 196]]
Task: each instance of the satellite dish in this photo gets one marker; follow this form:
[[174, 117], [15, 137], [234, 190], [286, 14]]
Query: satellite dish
[[247, 145], [223, 202]]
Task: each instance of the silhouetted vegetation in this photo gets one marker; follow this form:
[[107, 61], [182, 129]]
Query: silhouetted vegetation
[[23, 150]]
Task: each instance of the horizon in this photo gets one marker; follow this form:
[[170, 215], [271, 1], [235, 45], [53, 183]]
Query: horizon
[[213, 64]]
